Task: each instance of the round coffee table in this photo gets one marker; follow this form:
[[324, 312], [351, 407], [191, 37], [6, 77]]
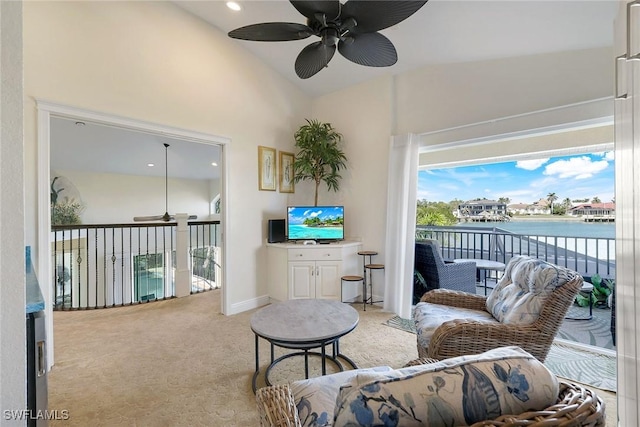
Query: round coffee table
[[303, 324]]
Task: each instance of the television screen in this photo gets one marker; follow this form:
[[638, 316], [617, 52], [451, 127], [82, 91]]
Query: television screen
[[315, 222]]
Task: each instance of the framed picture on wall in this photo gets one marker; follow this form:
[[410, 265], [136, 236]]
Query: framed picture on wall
[[266, 168], [286, 172]]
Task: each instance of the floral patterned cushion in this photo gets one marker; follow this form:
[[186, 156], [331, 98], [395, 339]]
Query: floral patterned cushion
[[453, 392], [316, 397], [428, 317], [526, 284]]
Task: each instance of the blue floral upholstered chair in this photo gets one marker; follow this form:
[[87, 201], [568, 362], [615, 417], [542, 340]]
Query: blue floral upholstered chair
[[503, 387], [525, 309]]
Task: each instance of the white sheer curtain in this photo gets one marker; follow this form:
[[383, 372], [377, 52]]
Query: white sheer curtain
[[401, 224]]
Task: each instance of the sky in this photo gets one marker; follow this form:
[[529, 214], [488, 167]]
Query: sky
[[526, 181]]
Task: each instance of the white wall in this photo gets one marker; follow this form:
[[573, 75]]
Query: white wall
[[443, 96], [155, 62], [12, 262], [114, 198]]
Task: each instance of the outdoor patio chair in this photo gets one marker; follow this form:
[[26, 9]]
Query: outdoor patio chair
[[525, 309], [439, 274]]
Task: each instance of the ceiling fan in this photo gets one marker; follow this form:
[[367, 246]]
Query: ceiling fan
[[352, 27], [166, 217]]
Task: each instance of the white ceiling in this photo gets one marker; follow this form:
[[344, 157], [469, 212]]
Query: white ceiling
[[442, 31], [97, 148]]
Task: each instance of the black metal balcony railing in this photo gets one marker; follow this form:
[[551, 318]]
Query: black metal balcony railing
[[585, 255], [107, 265]]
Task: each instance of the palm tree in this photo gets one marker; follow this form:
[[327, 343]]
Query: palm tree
[[551, 197], [320, 157], [596, 199]]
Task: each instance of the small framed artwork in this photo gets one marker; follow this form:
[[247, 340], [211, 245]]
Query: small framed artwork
[[266, 168], [286, 172]]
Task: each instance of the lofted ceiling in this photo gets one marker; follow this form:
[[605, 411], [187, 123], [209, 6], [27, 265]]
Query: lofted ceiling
[[442, 31]]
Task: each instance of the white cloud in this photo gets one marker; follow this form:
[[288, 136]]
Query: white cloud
[[576, 167], [531, 164]]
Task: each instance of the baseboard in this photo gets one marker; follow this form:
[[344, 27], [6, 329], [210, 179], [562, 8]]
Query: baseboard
[[250, 304]]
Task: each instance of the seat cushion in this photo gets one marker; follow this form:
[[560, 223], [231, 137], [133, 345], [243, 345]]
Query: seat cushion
[[315, 398], [521, 292], [428, 317], [457, 391]]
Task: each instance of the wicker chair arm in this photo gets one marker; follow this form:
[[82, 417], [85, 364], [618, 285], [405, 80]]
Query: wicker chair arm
[[276, 407], [455, 299], [464, 336], [576, 406]]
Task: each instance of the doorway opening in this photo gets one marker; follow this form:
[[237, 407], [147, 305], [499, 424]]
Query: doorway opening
[[50, 115]]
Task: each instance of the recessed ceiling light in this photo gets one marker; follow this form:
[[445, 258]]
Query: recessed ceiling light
[[233, 6], [150, 165], [80, 123], [214, 164]]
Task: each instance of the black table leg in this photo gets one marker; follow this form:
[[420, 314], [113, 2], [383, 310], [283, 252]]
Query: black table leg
[[306, 364], [255, 374]]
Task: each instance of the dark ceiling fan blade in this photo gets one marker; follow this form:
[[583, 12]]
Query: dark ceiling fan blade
[[272, 32], [313, 58], [370, 49], [309, 8], [376, 15], [166, 217], [149, 218]]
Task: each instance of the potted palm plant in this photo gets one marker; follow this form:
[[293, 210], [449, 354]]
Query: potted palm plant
[[319, 157]]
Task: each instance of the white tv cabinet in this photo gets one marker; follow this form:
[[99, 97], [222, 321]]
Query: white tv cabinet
[[295, 270]]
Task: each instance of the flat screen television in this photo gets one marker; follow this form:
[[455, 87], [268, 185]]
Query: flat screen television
[[319, 223]]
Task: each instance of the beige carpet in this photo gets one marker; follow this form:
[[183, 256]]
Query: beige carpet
[[181, 363]]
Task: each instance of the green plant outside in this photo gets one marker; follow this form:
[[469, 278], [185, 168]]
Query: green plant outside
[[320, 158], [602, 288]]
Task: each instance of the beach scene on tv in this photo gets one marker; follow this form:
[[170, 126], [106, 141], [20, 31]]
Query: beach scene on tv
[[315, 223]]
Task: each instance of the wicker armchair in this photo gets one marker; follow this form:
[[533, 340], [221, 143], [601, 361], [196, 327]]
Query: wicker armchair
[[476, 330], [576, 406], [439, 274]]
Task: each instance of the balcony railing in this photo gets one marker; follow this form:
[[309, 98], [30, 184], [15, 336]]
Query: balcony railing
[[586, 255], [108, 265]]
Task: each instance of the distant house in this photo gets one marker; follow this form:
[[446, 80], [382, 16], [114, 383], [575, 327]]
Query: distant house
[[482, 209], [536, 208], [519, 208], [594, 209]]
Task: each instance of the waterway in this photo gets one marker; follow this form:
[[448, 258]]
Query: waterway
[[568, 228]]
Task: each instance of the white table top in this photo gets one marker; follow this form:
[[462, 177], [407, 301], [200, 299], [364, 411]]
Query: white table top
[[484, 264], [304, 320]]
